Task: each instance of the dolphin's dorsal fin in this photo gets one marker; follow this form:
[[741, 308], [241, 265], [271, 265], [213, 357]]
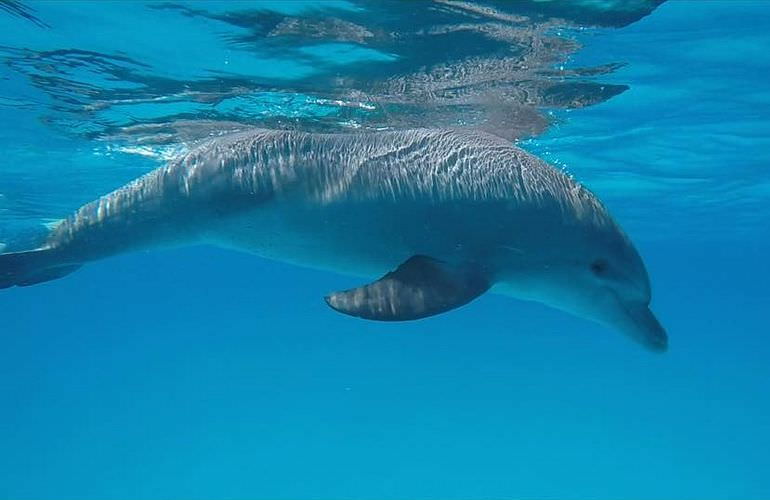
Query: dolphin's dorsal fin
[[420, 287]]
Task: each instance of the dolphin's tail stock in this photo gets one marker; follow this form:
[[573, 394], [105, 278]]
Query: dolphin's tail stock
[[32, 267]]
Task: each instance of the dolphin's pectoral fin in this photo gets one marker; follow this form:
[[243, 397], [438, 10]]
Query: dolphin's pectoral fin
[[420, 287]]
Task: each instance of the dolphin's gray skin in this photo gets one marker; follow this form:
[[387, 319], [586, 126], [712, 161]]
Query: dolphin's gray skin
[[447, 214]]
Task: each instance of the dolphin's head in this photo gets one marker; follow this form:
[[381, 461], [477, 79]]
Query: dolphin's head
[[596, 273], [608, 283], [611, 287]]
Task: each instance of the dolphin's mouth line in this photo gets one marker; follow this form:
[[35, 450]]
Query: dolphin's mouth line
[[645, 327]]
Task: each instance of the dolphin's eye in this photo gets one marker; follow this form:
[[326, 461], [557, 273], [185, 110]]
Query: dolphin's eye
[[599, 267]]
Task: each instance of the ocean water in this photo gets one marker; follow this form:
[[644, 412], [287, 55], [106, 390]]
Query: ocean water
[[200, 372]]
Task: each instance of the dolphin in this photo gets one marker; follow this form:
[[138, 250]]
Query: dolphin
[[441, 216]]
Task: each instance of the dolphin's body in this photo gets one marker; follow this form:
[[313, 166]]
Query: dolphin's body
[[444, 215]]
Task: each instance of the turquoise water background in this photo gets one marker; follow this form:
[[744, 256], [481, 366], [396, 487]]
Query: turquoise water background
[[205, 373]]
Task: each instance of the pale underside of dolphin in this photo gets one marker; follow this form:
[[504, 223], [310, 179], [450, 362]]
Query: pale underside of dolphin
[[441, 216]]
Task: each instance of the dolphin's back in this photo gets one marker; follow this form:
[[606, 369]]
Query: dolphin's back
[[443, 165], [343, 200], [424, 164], [235, 173], [428, 164]]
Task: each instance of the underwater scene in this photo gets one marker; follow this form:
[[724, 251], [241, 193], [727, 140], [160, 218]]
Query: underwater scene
[[382, 249]]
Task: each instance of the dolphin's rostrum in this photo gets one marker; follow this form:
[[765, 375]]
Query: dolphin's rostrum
[[442, 215]]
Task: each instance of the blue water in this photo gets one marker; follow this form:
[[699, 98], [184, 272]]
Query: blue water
[[205, 373]]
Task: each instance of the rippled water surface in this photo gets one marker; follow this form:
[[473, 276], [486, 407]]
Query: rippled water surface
[[205, 373]]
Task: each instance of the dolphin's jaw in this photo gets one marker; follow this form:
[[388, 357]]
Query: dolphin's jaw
[[601, 305], [632, 318], [644, 327]]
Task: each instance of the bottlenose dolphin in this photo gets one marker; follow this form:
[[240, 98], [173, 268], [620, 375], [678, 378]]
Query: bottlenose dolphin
[[441, 215]]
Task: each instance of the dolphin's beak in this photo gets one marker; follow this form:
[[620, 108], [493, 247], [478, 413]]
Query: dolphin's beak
[[642, 325]]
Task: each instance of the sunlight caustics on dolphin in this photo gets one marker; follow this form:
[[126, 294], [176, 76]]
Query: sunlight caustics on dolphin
[[441, 216]]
